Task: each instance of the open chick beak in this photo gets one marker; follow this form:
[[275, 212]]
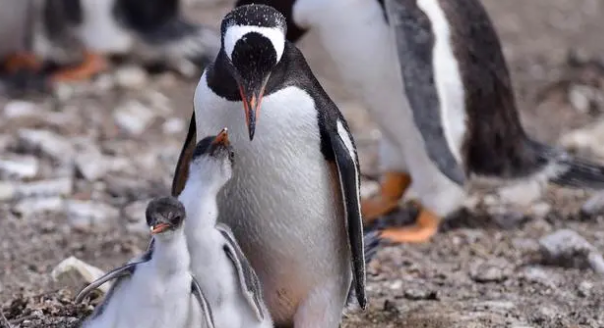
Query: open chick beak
[[159, 228], [222, 139], [252, 97]]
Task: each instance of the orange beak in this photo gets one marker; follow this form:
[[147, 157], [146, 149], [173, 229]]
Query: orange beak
[[222, 138], [159, 228], [251, 105]]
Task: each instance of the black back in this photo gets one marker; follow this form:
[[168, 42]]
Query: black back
[[146, 15]]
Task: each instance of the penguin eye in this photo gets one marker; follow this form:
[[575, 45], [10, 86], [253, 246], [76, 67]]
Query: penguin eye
[[231, 155]]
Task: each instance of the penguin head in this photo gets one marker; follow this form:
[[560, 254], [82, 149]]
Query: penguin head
[[213, 159], [253, 39], [165, 215]]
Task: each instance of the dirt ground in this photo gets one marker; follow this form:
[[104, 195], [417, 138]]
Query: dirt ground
[[85, 153]]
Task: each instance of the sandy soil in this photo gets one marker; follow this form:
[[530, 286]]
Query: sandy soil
[[482, 270]]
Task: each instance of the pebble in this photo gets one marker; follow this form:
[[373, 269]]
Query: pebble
[[8, 191], [19, 166], [584, 289], [173, 125], [86, 215], [42, 188], [494, 271], [594, 205], [91, 164], [28, 207], [133, 117], [131, 77], [567, 248], [48, 142], [540, 276], [416, 294], [19, 108]]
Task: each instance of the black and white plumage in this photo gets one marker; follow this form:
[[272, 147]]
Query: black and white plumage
[[434, 78], [156, 289], [230, 284], [293, 202]]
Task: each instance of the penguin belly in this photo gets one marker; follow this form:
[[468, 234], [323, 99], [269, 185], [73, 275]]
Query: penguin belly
[[283, 202]]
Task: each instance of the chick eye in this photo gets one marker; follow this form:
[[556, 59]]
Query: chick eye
[[231, 155]]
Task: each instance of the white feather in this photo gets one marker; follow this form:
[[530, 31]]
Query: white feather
[[236, 32]]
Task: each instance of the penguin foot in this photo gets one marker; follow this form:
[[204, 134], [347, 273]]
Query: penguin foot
[[90, 66], [425, 227], [22, 61], [392, 188]]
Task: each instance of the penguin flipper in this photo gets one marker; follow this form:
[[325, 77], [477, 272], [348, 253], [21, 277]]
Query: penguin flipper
[[348, 170], [203, 303], [414, 44], [182, 167], [249, 282], [119, 273]]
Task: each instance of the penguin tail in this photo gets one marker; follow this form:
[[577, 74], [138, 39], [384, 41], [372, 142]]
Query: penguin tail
[[178, 40], [570, 171]]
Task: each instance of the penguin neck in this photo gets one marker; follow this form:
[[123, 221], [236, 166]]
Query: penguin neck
[[199, 200], [170, 253]]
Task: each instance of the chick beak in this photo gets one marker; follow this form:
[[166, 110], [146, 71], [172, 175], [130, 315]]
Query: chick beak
[[252, 97], [159, 228], [222, 139]]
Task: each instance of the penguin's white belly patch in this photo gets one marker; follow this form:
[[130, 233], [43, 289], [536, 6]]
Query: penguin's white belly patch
[[284, 196]]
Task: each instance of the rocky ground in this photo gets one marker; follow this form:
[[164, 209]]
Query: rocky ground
[[78, 167]]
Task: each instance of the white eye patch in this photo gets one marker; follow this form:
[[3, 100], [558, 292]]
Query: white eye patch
[[236, 32]]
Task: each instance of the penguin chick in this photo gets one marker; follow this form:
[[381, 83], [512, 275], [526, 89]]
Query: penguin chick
[[155, 290], [229, 282]]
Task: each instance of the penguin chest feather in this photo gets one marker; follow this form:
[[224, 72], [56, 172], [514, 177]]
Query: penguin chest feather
[[283, 202]]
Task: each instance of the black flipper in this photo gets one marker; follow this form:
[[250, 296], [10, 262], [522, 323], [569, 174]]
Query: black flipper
[[414, 44], [372, 242], [348, 170], [119, 273], [181, 172], [203, 303], [249, 282]]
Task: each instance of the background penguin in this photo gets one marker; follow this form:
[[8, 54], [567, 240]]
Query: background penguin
[[229, 282], [293, 202], [79, 34], [434, 78], [156, 289]]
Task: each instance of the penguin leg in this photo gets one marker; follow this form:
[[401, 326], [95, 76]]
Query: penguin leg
[[91, 65], [323, 305], [392, 189], [424, 228], [22, 60]]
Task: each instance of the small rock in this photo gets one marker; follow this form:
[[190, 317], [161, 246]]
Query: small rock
[[48, 142], [133, 117], [541, 210], [28, 207], [540, 276], [88, 272], [594, 205], [489, 272], [416, 294], [8, 191], [131, 77], [84, 215], [19, 166], [19, 108], [51, 187], [92, 165], [567, 248], [173, 125], [585, 288], [580, 97]]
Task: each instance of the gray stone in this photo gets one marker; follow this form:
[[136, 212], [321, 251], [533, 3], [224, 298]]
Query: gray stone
[[8, 191], [173, 125], [594, 205], [87, 215], [28, 207], [133, 117], [494, 271], [131, 77], [417, 294], [48, 142], [585, 288], [19, 166], [19, 108], [568, 248], [91, 164], [44, 188]]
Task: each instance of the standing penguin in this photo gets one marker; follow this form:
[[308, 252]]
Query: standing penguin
[[78, 35], [293, 201], [230, 284], [434, 78], [157, 289]]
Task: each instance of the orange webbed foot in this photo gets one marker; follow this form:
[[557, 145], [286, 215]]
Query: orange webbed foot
[[422, 231], [392, 188], [22, 61], [92, 65]]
